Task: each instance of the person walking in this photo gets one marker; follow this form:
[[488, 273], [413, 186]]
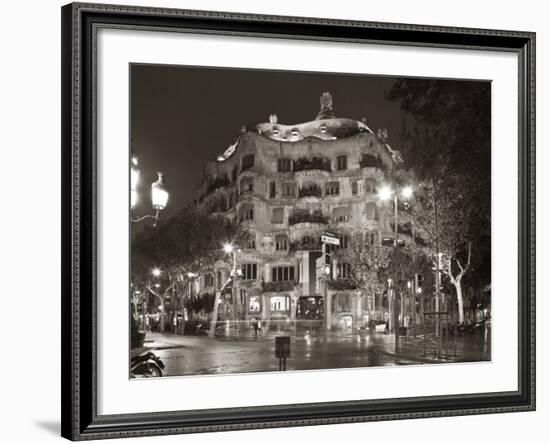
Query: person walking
[[256, 329], [259, 327]]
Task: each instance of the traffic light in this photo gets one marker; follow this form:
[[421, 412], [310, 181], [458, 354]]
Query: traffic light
[[418, 280], [328, 264]]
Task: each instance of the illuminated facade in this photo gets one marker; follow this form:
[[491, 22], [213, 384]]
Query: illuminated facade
[[287, 184]]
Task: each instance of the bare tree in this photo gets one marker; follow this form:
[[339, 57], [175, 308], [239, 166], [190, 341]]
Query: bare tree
[[442, 228]]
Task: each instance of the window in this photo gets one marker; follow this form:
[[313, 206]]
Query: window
[[281, 242], [251, 243], [370, 185], [246, 212], [250, 272], [344, 270], [371, 211], [247, 185], [277, 216], [371, 237], [254, 304], [342, 163], [354, 188], [247, 162], [332, 188], [284, 165], [272, 190], [279, 274], [209, 280], [343, 242], [279, 303], [341, 214], [289, 189], [243, 296]]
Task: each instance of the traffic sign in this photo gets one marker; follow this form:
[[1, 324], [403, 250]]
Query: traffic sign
[[327, 238]]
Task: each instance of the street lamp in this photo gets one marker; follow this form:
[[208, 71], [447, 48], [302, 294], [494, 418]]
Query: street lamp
[[156, 272], [159, 193], [385, 193], [229, 248], [134, 182]]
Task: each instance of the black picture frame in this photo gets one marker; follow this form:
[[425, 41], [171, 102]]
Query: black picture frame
[[79, 391]]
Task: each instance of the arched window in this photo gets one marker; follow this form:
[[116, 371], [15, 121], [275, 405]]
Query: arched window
[[281, 242], [370, 185], [342, 163], [344, 270], [371, 211], [247, 162], [354, 188], [341, 214], [209, 280], [247, 185], [332, 189], [246, 212], [277, 216]]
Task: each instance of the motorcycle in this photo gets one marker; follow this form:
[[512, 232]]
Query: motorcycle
[[145, 364]]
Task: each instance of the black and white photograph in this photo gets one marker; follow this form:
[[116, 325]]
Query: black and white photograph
[[291, 221]]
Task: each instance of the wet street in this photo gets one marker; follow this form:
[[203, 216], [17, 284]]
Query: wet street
[[191, 355]]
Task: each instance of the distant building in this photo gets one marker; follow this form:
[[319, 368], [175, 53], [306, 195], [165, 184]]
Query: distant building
[[287, 184]]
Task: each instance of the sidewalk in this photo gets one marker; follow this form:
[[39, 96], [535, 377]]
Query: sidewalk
[[466, 348]]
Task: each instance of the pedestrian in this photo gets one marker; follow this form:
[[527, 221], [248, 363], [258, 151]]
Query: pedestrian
[[259, 327], [255, 329]]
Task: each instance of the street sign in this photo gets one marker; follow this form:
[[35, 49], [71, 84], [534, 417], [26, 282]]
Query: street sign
[[329, 239]]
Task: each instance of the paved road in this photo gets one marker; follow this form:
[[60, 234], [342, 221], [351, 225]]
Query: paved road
[[189, 355]]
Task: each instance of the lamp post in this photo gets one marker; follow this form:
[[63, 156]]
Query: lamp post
[[386, 193], [159, 194], [156, 272], [235, 274]]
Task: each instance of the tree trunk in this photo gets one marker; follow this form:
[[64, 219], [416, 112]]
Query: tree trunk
[[162, 317], [460, 300], [214, 320]]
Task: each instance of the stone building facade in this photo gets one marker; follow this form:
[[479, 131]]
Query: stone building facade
[[287, 184]]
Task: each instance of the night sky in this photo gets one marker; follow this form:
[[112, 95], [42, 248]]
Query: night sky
[[182, 117]]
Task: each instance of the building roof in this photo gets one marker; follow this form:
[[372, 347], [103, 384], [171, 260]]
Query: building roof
[[326, 126]]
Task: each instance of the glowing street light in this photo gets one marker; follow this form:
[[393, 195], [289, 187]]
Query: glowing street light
[[407, 192], [228, 248], [385, 193], [159, 193], [134, 182], [156, 272]]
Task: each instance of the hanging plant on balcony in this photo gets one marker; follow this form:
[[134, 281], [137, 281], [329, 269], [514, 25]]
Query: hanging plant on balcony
[[341, 284], [279, 286]]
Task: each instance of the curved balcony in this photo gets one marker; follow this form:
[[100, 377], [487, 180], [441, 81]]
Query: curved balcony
[[315, 217], [341, 284], [220, 182], [371, 161], [278, 286], [309, 164], [307, 243], [310, 191]]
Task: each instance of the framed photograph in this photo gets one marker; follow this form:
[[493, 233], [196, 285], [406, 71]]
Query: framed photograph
[[280, 221]]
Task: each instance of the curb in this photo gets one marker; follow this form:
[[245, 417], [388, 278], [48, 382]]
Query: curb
[[415, 358]]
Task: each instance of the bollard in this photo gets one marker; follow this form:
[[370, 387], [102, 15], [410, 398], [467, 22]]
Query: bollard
[[282, 350]]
